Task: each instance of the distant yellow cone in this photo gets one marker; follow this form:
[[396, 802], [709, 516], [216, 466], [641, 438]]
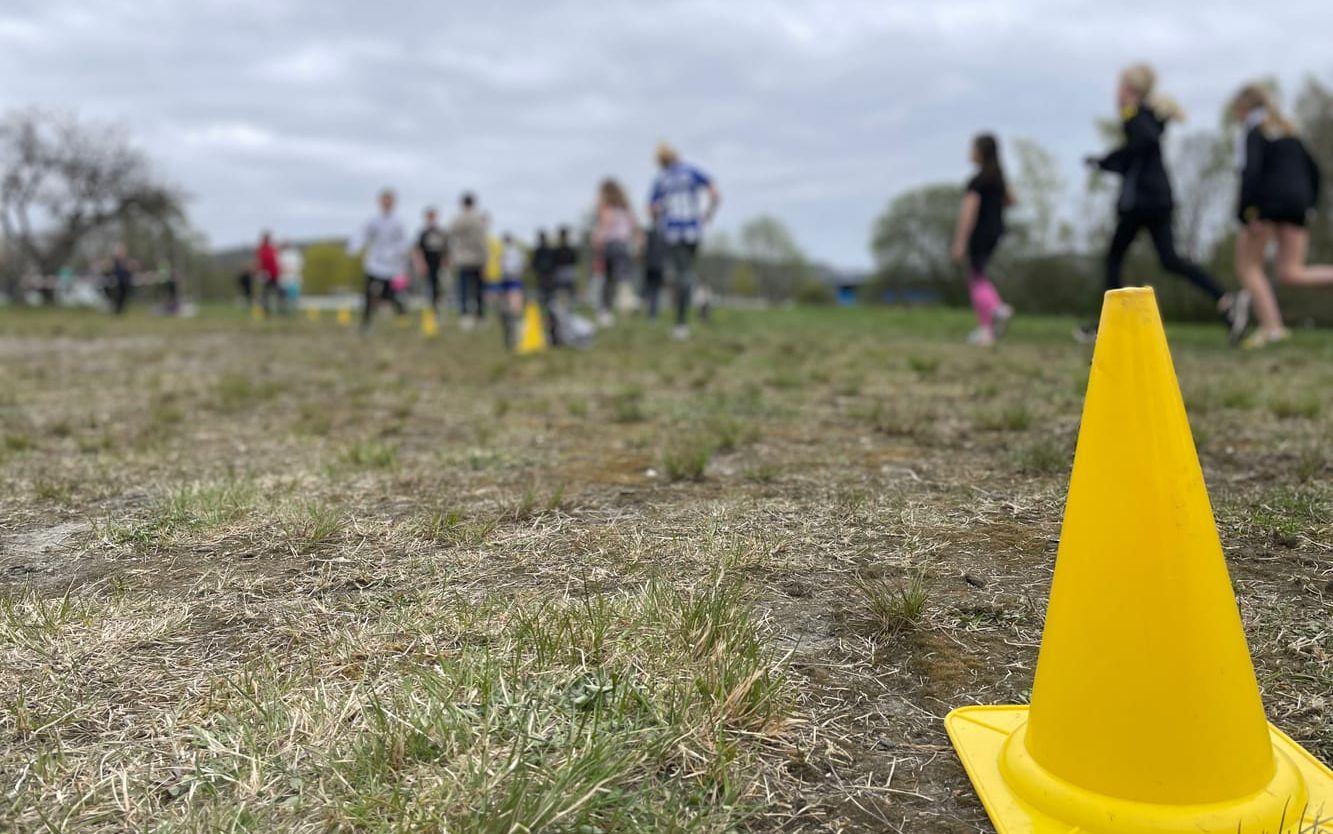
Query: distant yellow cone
[[256, 312], [533, 337], [1145, 716], [312, 313], [344, 316], [430, 324]]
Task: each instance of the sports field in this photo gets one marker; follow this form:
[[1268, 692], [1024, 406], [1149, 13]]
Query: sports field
[[273, 576]]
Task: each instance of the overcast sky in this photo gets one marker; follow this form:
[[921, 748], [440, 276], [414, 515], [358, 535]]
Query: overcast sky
[[292, 113]]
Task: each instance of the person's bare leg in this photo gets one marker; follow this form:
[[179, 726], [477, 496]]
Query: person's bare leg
[[1251, 244], [1293, 246]]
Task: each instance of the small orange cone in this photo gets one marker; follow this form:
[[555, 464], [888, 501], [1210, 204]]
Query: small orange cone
[[256, 312], [1145, 715], [344, 316]]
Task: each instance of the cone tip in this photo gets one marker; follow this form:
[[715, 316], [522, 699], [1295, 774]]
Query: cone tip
[[1127, 296]]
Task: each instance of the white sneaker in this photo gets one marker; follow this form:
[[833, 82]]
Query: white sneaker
[[981, 337], [1000, 319], [605, 319], [680, 333], [466, 323], [1263, 338], [1238, 316]]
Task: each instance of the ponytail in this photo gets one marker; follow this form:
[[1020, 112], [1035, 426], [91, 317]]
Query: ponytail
[[1142, 79]]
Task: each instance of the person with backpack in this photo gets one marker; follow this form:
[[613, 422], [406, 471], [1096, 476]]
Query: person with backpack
[[1279, 188]]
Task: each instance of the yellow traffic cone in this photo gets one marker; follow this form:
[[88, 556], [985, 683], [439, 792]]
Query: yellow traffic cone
[[344, 316], [533, 337], [256, 312], [312, 313], [430, 324], [1145, 715]]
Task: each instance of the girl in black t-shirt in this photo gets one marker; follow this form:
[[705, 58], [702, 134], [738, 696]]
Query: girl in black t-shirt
[[1279, 187], [977, 234]]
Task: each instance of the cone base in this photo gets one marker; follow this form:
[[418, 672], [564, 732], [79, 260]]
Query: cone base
[[1012, 787]]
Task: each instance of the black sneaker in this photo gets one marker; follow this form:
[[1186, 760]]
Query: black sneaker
[[1085, 334]]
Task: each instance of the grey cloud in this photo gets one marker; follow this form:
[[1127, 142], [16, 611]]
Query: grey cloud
[[291, 114]]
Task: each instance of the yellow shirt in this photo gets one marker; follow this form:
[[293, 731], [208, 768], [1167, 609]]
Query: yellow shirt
[[494, 253]]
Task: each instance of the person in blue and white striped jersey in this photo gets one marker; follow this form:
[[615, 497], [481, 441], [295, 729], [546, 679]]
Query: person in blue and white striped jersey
[[676, 205]]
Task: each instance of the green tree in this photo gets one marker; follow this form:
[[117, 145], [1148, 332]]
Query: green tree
[[771, 251], [1039, 191], [910, 242]]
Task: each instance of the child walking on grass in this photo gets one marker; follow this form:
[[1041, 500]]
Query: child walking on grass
[[977, 235]]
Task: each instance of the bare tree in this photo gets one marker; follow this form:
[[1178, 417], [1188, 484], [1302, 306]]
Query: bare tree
[[61, 180], [1204, 167]]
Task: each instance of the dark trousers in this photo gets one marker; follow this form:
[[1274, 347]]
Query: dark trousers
[[652, 289], [269, 291], [1163, 240], [470, 296], [433, 285], [121, 287], [379, 289], [615, 266], [681, 257]]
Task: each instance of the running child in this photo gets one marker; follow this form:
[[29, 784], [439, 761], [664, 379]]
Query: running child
[[430, 255], [384, 243], [1279, 187], [977, 234], [1146, 201]]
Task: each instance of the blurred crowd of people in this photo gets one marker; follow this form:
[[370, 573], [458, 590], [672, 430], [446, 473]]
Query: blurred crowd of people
[[466, 266]]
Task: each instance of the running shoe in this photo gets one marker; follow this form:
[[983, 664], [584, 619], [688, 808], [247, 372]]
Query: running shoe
[[1237, 315], [981, 337], [1000, 320], [1264, 338]]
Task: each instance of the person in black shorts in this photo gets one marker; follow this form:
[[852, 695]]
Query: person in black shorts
[[1146, 201], [431, 255], [977, 234], [1279, 187]]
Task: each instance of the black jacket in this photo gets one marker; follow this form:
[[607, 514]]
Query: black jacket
[[1145, 187], [1278, 179]]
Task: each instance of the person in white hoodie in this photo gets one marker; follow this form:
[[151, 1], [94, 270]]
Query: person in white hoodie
[[384, 243]]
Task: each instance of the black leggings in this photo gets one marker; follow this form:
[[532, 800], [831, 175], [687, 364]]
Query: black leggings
[[1159, 229], [384, 291]]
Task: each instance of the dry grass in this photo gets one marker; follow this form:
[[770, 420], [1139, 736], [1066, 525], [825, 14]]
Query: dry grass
[[270, 577]]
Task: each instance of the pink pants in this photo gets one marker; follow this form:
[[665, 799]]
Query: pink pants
[[985, 298]]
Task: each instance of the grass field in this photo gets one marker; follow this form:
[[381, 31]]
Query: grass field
[[270, 576]]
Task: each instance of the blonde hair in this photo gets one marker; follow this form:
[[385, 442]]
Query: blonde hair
[[1256, 94], [666, 155], [1142, 79]]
